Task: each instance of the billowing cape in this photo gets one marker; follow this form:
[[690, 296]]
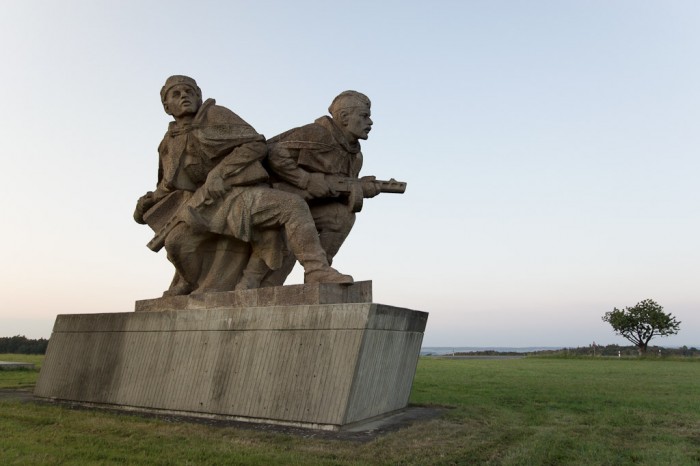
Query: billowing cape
[[221, 139]]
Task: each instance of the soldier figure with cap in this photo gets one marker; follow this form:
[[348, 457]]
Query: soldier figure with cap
[[308, 159], [212, 185]]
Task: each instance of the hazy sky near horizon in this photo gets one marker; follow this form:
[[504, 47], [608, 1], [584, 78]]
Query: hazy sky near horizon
[[551, 150]]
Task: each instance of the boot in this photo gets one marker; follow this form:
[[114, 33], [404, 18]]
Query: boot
[[327, 275], [178, 289], [304, 243]]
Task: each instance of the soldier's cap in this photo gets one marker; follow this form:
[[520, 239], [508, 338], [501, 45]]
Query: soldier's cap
[[173, 81], [349, 99]]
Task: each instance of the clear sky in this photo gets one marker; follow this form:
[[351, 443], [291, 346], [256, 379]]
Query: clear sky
[[551, 150]]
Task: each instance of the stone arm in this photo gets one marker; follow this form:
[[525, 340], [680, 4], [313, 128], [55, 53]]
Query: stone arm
[[239, 159], [146, 202], [239, 168], [151, 198], [370, 187], [283, 162]]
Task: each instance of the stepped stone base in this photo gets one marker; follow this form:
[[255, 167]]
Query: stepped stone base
[[316, 293], [318, 365]]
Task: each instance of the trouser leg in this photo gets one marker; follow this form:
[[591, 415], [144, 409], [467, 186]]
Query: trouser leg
[[302, 237], [278, 277], [181, 246], [253, 274], [333, 222]]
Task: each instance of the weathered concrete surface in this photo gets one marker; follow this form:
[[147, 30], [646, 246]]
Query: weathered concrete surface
[[312, 293], [322, 366]]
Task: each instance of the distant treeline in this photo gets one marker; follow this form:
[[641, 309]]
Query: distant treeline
[[20, 344], [617, 350], [598, 350]]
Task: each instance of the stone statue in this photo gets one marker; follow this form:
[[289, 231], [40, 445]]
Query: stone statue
[[321, 162], [222, 225]]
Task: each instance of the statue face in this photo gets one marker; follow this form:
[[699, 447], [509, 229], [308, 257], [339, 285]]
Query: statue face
[[358, 122], [181, 100]]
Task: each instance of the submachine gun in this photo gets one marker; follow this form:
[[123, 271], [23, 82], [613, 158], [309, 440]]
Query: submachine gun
[[169, 212], [352, 187]]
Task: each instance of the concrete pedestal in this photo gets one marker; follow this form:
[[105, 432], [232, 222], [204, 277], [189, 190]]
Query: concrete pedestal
[[319, 364]]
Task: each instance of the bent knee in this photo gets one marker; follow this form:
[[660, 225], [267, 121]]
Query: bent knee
[[335, 217]]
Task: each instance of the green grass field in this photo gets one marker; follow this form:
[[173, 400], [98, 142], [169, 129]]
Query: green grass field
[[23, 378], [498, 412]]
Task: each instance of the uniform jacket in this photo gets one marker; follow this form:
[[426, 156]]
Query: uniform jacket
[[319, 147]]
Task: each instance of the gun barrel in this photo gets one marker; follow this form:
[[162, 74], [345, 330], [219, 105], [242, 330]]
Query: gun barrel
[[393, 186]]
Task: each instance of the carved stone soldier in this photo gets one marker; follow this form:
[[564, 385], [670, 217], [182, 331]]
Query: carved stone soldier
[[212, 204], [311, 160]]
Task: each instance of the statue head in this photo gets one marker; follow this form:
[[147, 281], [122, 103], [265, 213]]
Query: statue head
[[180, 96], [351, 111]]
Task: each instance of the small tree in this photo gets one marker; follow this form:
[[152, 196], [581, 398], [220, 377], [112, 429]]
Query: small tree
[[642, 322]]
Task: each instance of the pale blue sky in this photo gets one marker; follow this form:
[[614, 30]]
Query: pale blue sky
[[551, 150]]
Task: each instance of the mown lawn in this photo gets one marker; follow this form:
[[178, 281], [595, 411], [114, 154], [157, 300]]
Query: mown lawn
[[20, 378], [499, 412]]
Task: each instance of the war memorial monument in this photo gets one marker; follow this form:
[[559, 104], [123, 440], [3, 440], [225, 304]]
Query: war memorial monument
[[234, 213]]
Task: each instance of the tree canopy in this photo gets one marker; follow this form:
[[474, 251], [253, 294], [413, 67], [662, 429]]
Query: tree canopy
[[642, 322], [19, 344]]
